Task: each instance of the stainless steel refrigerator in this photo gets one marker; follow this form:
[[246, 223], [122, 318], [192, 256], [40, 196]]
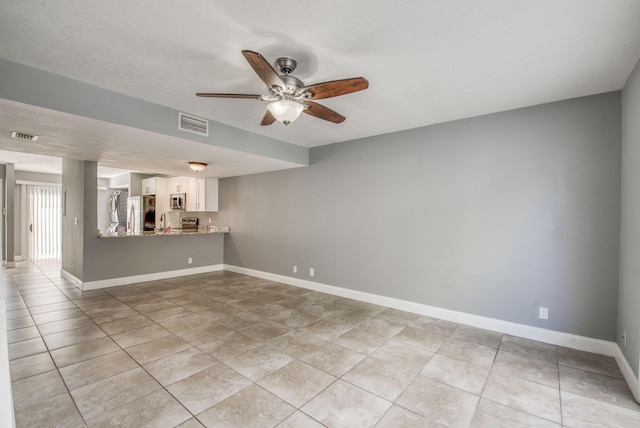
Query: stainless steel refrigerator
[[141, 213]]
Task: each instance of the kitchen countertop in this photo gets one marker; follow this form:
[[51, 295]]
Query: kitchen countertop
[[174, 232]]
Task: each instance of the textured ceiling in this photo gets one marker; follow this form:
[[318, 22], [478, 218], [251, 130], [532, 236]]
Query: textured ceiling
[[427, 61]]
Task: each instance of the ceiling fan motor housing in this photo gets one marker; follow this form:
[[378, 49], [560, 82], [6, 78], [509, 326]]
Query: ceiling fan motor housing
[[293, 84], [286, 64]]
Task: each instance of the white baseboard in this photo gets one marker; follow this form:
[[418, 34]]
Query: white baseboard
[[69, 277], [627, 372], [581, 343], [126, 280]]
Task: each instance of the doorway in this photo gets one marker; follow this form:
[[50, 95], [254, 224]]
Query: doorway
[[44, 208]]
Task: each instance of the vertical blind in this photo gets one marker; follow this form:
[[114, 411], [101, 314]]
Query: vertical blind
[[46, 212]]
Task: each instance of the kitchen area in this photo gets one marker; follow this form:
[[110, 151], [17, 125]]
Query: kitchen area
[[141, 206], [93, 258]]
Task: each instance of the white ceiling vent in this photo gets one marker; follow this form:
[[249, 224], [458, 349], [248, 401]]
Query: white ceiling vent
[[193, 124], [23, 136]]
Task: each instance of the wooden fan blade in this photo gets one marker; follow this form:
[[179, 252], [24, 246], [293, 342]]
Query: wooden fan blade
[[322, 112], [267, 119], [263, 69], [246, 96], [336, 88]]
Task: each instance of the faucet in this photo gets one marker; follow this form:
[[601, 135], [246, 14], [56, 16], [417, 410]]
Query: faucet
[[163, 220]]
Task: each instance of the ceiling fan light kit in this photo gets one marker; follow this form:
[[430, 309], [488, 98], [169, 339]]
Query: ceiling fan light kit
[[285, 111], [288, 96], [197, 166]]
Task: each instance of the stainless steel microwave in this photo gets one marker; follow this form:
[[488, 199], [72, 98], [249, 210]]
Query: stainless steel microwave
[[178, 201]]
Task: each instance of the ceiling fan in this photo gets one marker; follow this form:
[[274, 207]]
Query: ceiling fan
[[288, 96]]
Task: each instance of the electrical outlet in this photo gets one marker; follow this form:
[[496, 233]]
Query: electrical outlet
[[543, 313], [624, 337], [190, 260], [295, 269], [312, 272]]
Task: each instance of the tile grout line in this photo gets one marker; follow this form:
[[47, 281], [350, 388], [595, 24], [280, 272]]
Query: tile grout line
[[136, 361], [367, 354], [140, 365], [51, 357], [107, 335], [559, 390]]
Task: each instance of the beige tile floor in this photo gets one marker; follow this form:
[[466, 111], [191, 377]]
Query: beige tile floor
[[222, 349]]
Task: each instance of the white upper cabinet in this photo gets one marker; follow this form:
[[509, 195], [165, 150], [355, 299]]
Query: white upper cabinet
[[180, 184], [149, 185], [206, 194], [192, 194], [157, 186], [201, 193]]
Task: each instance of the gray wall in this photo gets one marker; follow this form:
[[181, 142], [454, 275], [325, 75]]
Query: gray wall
[[120, 181], [106, 258], [73, 184], [21, 223], [3, 171], [9, 203], [135, 183], [494, 215], [629, 290], [90, 258], [37, 177]]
